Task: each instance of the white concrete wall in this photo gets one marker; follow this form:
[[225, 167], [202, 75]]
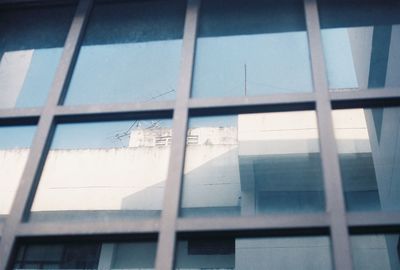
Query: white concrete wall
[[278, 133], [392, 75], [386, 157], [360, 39], [351, 131], [12, 163], [108, 179], [211, 176]]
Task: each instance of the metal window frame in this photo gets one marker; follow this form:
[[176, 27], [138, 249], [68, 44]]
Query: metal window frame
[[335, 222]]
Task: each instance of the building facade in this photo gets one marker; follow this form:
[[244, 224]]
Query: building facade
[[200, 134]]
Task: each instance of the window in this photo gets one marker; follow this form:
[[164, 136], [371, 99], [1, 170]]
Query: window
[[239, 167], [30, 51], [361, 41], [187, 134], [250, 49], [104, 170], [130, 53], [87, 255]]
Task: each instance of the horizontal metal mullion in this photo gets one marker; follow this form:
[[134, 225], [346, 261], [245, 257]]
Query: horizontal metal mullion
[[12, 3], [86, 228], [254, 100], [375, 97], [367, 91], [278, 222], [157, 109], [251, 105], [373, 219], [19, 114]]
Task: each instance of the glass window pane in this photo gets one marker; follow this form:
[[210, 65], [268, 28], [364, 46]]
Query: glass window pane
[[308, 253], [87, 255], [15, 142], [369, 155], [375, 252], [361, 41], [103, 170], [134, 255], [131, 53], [251, 164], [249, 48], [30, 48]]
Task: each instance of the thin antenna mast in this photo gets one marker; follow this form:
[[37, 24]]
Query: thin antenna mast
[[245, 80]]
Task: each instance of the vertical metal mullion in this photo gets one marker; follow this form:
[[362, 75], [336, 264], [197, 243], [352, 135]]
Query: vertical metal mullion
[[37, 155], [167, 235], [330, 162]]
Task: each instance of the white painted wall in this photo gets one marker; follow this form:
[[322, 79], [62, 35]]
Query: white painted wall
[[103, 179], [360, 39], [12, 163], [392, 75]]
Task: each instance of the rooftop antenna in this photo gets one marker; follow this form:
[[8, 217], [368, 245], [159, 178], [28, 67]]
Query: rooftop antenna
[[245, 79], [154, 124]]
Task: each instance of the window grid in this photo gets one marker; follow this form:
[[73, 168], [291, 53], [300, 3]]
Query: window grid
[[335, 221]]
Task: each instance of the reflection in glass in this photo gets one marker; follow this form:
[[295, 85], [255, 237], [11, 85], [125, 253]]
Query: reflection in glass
[[252, 164], [131, 52], [14, 149], [30, 48], [104, 169], [375, 252], [369, 153], [248, 48], [361, 41], [302, 253], [89, 255]]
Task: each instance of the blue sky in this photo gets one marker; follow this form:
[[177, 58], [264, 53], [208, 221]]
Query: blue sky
[[16, 136], [129, 72], [98, 134], [140, 72], [39, 77], [275, 63]]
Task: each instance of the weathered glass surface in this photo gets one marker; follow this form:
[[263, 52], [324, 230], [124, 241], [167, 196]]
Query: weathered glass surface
[[369, 154], [104, 170], [361, 41], [31, 44], [251, 48], [252, 164], [275, 253], [130, 53], [15, 142]]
